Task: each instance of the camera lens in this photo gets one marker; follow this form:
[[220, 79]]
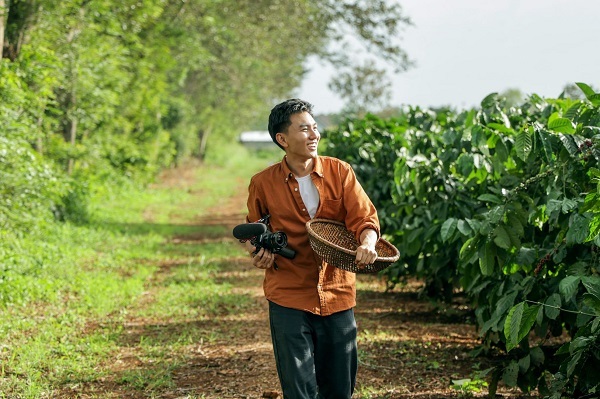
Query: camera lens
[[276, 241]]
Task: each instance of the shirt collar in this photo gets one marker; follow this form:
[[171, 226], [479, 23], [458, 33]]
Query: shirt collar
[[317, 168]]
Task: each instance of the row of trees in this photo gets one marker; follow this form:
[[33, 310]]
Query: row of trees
[[501, 204], [102, 90]]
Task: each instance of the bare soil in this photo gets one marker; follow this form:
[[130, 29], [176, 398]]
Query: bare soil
[[409, 347]]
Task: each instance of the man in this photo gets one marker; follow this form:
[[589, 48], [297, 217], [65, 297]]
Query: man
[[310, 302]]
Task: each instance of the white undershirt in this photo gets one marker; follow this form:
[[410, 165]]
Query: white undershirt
[[309, 194]]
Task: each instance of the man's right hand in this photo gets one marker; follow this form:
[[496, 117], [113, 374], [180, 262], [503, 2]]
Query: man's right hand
[[263, 259]]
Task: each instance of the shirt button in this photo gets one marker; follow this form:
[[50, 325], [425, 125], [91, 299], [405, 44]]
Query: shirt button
[[296, 189], [303, 209]]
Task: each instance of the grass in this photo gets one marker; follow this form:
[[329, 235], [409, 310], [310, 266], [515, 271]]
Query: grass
[[65, 289]]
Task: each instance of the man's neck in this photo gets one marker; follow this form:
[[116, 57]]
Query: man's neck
[[300, 168]]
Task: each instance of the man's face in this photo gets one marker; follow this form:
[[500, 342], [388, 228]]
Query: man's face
[[302, 137]]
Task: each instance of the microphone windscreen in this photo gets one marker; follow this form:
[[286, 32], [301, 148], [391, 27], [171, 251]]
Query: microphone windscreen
[[249, 230]]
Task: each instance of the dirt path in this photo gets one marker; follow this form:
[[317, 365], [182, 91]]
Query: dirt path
[[408, 348]]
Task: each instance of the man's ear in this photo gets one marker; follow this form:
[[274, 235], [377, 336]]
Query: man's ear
[[281, 139]]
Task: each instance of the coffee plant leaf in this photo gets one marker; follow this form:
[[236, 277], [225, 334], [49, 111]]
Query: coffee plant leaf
[[587, 90], [573, 362], [592, 302], [488, 260], [523, 144], [464, 228], [537, 356], [448, 229], [518, 323], [592, 285], [468, 249], [524, 364], [544, 137], [569, 144], [502, 237], [578, 230], [562, 125], [552, 305], [510, 374], [501, 128], [568, 287], [490, 198]]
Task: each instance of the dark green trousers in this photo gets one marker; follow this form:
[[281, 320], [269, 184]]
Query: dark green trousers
[[316, 356]]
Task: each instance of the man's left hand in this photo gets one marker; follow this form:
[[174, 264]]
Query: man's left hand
[[365, 253]]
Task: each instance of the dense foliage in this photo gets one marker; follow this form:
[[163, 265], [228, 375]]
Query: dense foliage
[[101, 94], [501, 203], [103, 90]]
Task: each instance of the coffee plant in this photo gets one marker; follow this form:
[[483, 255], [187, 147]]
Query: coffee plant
[[503, 204]]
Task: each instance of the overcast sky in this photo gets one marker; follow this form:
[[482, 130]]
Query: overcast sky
[[466, 49]]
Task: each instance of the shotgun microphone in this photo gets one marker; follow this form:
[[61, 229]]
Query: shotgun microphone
[[249, 230]]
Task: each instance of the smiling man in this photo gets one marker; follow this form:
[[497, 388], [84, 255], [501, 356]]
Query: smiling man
[[310, 302]]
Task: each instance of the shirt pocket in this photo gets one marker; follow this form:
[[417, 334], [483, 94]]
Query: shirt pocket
[[332, 209]]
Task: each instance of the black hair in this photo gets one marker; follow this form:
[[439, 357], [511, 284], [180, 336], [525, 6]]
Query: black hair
[[279, 119]]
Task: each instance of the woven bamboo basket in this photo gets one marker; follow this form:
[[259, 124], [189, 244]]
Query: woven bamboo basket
[[337, 246]]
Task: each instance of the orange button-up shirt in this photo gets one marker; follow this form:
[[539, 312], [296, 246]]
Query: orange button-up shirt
[[305, 282]]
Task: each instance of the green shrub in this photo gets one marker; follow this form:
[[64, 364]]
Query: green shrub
[[501, 203]]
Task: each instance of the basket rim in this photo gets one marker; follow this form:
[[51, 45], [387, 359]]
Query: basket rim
[[381, 240]]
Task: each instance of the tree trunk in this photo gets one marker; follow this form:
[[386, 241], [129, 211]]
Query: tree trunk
[[39, 146], [3, 14], [18, 19], [73, 136], [203, 134]]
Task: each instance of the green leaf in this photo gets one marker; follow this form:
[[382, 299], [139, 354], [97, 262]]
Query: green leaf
[[546, 143], [568, 205], [487, 261], [524, 364], [595, 99], [448, 229], [502, 306], [562, 125], [512, 325], [501, 237], [489, 100], [594, 229], [568, 287], [501, 128], [495, 214], [501, 151], [595, 325], [518, 323], [511, 374], [587, 90], [592, 285], [592, 302], [464, 228], [468, 249], [552, 304], [537, 356], [523, 144], [573, 111], [490, 198], [515, 224], [573, 363], [569, 144], [578, 230], [465, 164]]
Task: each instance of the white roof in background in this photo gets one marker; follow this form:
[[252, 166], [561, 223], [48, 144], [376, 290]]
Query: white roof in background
[[255, 136]]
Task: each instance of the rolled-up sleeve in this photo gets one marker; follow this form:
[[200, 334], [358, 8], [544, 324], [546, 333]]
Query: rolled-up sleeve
[[360, 211]]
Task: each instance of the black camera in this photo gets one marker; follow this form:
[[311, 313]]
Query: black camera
[[261, 237]]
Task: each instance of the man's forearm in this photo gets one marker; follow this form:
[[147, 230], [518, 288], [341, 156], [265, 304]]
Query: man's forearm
[[369, 237]]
